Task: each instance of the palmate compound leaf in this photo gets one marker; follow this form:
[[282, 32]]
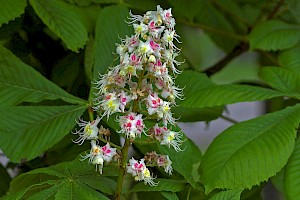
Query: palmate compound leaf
[[291, 180], [27, 131], [64, 20], [75, 177], [274, 35], [21, 83], [250, 152], [11, 9]]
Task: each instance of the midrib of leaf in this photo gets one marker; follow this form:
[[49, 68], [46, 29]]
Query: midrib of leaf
[[243, 146], [43, 92], [47, 119]]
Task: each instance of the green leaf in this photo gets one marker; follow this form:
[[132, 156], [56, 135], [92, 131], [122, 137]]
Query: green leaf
[[26, 180], [11, 9], [168, 185], [191, 82], [89, 58], [70, 178], [101, 183], [66, 71], [187, 9], [294, 7], [243, 155], [64, 20], [183, 162], [228, 194], [274, 35], [170, 195], [215, 22], [220, 95], [282, 79], [291, 180], [5, 180], [76, 190], [232, 9], [143, 6], [26, 85], [88, 2], [277, 180], [194, 115], [75, 168], [38, 127], [23, 192], [47, 193], [110, 27], [290, 59]]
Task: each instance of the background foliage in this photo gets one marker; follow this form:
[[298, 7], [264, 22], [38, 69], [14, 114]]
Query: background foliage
[[52, 51]]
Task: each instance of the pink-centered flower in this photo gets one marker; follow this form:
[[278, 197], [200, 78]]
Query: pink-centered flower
[[99, 154], [132, 125], [87, 131], [165, 162], [140, 172]]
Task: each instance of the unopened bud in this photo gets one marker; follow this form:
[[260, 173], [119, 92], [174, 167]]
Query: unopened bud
[[152, 59]]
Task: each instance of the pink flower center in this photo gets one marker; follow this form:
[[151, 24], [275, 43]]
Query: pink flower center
[[153, 45], [123, 100]]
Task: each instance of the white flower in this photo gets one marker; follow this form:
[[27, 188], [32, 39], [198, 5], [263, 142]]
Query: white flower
[[140, 172], [87, 131], [172, 138], [140, 29], [145, 48], [165, 162], [124, 100], [110, 104], [99, 154], [132, 125], [108, 152]]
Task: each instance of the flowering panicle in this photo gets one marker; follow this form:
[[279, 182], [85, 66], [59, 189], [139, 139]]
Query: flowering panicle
[[146, 58], [140, 87]]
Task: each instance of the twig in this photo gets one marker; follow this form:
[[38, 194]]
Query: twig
[[275, 10], [237, 50], [229, 119]]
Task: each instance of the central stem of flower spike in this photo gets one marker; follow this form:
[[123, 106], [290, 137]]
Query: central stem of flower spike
[[139, 88], [122, 168]]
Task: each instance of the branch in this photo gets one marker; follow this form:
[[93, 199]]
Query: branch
[[237, 50], [275, 10], [240, 48]]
